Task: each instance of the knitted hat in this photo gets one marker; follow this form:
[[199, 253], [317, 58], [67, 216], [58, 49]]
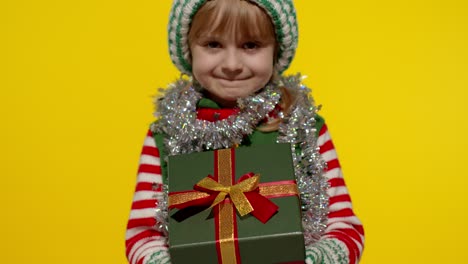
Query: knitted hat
[[281, 12]]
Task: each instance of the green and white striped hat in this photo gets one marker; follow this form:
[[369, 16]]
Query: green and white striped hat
[[281, 12]]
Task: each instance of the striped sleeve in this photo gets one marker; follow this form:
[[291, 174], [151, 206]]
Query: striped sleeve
[[145, 245], [343, 240]]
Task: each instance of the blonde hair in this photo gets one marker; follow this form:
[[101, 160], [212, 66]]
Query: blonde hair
[[244, 20], [286, 101]]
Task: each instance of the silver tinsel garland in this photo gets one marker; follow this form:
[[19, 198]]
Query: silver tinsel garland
[[298, 128], [176, 113]]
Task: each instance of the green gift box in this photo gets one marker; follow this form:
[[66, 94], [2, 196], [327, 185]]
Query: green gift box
[[221, 234]]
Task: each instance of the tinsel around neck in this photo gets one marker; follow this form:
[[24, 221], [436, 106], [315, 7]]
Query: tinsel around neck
[[176, 113], [186, 134]]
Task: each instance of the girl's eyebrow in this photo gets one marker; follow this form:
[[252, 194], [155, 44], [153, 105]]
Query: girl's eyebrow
[[223, 38], [213, 37], [209, 35], [206, 37]]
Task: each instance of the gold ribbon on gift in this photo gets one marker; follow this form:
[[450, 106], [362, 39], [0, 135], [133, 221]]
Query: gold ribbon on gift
[[178, 198], [226, 219], [278, 189]]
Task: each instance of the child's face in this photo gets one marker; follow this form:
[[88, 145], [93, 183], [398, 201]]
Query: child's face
[[230, 69]]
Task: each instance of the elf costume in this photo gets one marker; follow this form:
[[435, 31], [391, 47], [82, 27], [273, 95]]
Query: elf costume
[[188, 122]]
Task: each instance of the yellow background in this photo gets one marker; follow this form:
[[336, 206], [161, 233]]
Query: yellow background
[[76, 85]]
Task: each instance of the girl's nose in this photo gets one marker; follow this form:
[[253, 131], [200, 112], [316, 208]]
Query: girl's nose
[[232, 63]]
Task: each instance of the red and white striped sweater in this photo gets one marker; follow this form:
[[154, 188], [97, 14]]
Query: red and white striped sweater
[[342, 242]]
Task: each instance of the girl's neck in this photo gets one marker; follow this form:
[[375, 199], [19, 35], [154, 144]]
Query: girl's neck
[[222, 103]]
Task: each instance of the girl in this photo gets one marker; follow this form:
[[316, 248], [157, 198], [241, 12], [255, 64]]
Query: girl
[[234, 52]]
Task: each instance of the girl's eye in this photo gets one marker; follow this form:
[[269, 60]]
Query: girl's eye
[[213, 44], [250, 45]]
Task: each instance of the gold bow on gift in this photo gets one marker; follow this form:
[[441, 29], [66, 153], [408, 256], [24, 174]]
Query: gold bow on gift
[[235, 192]]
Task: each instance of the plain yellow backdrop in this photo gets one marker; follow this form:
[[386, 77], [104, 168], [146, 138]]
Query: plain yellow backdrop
[[76, 85]]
